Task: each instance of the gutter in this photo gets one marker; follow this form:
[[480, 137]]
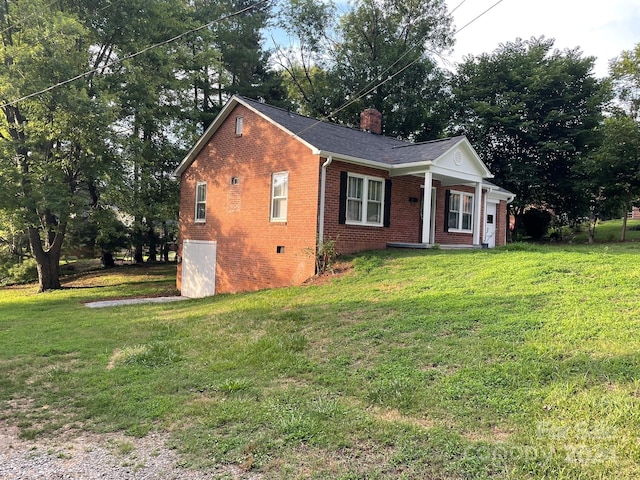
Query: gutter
[[323, 186]]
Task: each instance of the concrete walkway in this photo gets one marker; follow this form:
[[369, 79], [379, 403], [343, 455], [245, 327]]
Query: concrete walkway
[[133, 301]]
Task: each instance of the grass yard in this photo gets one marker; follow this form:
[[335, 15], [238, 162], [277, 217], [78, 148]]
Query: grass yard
[[517, 363], [609, 231]]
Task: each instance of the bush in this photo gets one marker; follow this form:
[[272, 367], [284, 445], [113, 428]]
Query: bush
[[536, 223], [326, 255], [22, 272]]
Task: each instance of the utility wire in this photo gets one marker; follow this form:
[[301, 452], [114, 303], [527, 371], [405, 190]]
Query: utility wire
[[477, 17], [24, 19], [127, 57], [457, 7], [361, 94], [21, 47]]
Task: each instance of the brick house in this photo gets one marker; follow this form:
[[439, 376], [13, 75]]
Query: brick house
[[263, 186]]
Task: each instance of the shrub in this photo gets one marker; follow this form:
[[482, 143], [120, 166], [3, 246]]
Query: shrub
[[326, 255], [22, 272], [536, 222]]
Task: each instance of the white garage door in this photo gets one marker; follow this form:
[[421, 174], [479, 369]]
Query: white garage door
[[198, 268]]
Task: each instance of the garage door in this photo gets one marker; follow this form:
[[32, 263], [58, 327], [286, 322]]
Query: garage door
[[198, 268]]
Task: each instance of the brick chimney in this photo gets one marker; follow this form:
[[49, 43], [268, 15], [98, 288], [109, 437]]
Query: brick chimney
[[371, 121]]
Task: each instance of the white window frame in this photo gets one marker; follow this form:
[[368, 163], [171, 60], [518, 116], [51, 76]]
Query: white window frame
[[199, 202], [279, 198], [461, 212], [364, 201], [239, 125]]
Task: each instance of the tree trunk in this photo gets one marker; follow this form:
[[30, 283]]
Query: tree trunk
[[153, 246], [48, 261], [623, 234], [138, 242], [593, 222], [107, 260], [165, 242]]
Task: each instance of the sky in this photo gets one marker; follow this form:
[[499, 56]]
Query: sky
[[601, 29]]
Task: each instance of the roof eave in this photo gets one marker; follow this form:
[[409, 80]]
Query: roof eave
[[354, 160], [220, 118], [206, 136]]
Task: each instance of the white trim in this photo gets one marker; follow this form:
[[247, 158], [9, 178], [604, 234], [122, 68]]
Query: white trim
[[426, 207], [477, 224], [460, 212], [239, 125], [364, 200], [218, 121], [284, 197], [418, 167], [323, 194], [195, 213]]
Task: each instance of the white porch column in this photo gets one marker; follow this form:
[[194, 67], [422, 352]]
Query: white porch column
[[477, 214], [426, 208]]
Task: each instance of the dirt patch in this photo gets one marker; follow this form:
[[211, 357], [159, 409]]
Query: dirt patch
[[88, 456], [340, 269], [393, 415], [355, 461]]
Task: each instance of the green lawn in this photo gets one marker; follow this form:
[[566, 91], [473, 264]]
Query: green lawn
[[520, 362], [609, 231]]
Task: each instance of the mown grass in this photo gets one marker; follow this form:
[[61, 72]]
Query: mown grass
[[609, 231], [520, 362]]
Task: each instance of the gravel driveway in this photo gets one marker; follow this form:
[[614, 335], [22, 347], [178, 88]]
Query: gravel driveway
[[99, 456]]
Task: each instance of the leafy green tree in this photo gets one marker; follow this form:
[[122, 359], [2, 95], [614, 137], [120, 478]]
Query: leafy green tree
[[306, 61], [625, 75], [228, 58], [531, 112], [381, 38], [379, 53], [614, 168], [51, 145]]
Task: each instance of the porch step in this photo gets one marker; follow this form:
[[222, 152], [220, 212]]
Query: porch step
[[424, 246]]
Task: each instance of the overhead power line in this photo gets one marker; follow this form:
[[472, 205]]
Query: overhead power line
[[24, 19], [133, 55], [479, 16], [366, 92]]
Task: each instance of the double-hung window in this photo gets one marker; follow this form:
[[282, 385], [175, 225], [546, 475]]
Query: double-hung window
[[201, 202], [365, 198], [460, 211], [279, 196], [239, 125]]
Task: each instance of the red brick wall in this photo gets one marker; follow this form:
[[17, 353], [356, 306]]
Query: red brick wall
[[238, 216], [405, 215], [453, 238]]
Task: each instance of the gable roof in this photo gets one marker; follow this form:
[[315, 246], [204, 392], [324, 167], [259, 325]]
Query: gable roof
[[330, 139]]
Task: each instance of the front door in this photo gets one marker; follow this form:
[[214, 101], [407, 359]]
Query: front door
[[490, 225]]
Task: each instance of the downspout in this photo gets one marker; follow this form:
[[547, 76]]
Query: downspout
[[323, 185]]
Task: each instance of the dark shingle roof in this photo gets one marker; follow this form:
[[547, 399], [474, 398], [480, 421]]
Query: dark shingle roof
[[338, 139]]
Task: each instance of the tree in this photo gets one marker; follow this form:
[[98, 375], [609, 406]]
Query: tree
[[378, 54], [381, 38], [306, 61], [614, 168], [531, 112], [625, 76], [51, 146]]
